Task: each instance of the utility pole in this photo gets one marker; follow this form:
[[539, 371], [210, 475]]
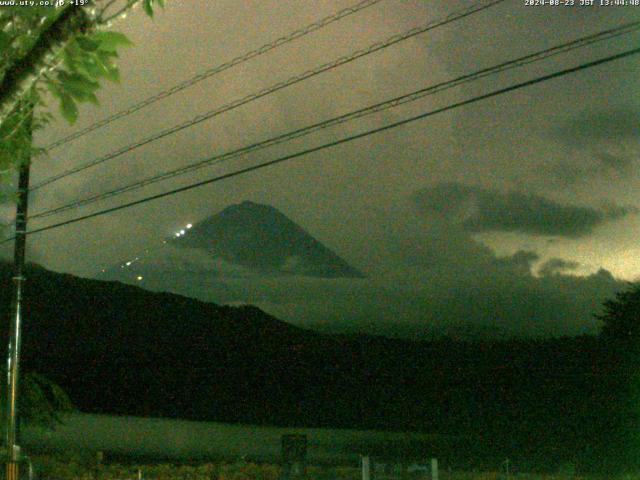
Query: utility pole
[[13, 354]]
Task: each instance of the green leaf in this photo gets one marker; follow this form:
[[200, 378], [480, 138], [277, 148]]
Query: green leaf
[[69, 61], [53, 88], [90, 67], [5, 41], [113, 73], [78, 79], [79, 94], [71, 54], [109, 69], [88, 44], [111, 41], [147, 6], [161, 3], [93, 99], [68, 108], [78, 82], [108, 54]]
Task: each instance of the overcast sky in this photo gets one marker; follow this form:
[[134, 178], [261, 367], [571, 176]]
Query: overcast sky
[[519, 212]]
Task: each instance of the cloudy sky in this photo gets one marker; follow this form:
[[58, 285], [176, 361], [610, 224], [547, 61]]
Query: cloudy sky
[[517, 213]]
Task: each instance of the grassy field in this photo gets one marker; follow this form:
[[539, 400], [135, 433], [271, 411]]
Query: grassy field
[[180, 440], [208, 450], [56, 468]]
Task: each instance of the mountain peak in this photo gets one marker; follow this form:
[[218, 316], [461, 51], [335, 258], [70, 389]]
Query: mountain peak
[[249, 203], [248, 209], [260, 237]]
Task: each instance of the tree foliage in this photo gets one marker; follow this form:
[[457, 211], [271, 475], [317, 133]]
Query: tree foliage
[[86, 60], [61, 53], [621, 316], [42, 401]]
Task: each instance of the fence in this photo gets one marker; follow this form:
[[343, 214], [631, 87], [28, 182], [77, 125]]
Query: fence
[[386, 470], [294, 463]]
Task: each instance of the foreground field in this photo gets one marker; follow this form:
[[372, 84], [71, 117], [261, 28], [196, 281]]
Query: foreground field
[[181, 440], [50, 468]]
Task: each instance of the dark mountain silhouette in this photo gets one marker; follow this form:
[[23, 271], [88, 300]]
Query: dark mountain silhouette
[[259, 237], [242, 240], [118, 349]]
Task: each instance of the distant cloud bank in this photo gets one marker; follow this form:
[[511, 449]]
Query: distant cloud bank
[[478, 209]]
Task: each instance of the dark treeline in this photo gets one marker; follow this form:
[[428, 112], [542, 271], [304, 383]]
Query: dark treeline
[[117, 349]]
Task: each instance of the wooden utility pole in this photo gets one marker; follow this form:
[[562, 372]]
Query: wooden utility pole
[[13, 354]]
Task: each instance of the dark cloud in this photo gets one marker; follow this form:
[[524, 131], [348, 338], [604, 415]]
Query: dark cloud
[[438, 280], [521, 261], [557, 265], [616, 163], [591, 166], [478, 209], [603, 145], [589, 127], [522, 258], [500, 299]]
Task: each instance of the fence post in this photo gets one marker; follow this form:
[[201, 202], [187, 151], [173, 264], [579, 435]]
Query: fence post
[[434, 469], [366, 468]]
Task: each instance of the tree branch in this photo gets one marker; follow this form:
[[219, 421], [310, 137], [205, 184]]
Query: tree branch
[[23, 75], [103, 10], [129, 5]]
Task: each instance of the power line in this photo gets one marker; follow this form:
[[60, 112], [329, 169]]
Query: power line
[[274, 88], [285, 158], [416, 95], [301, 32]]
